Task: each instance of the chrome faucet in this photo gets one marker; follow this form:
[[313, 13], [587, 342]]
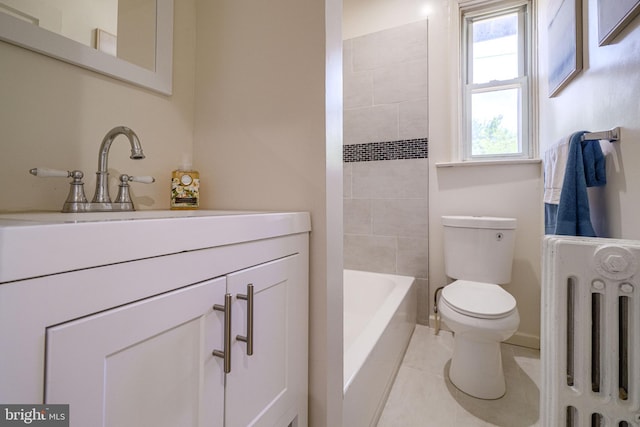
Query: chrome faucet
[[101, 202], [102, 176]]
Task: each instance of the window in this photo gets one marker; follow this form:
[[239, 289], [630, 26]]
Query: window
[[496, 73]]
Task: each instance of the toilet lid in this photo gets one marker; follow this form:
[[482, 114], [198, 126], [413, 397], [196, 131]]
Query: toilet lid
[[476, 299]]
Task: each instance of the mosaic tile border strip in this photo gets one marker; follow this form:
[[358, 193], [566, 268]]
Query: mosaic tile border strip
[[391, 150]]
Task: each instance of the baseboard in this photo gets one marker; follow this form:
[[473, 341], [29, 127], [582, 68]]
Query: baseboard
[[519, 338], [525, 340]]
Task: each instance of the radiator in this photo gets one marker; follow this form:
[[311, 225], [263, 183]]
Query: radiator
[[590, 344]]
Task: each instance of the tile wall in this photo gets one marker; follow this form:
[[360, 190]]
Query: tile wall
[[386, 150]]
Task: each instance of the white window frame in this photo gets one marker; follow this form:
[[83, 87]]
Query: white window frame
[[474, 10]]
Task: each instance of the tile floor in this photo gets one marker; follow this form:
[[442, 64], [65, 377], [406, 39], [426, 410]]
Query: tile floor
[[423, 396]]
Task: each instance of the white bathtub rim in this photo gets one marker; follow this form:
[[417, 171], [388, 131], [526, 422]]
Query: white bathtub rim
[[364, 344]]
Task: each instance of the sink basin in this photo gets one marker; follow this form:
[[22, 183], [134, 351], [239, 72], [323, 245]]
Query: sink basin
[[40, 243]]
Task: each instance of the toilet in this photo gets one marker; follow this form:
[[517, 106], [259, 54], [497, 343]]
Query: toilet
[[478, 253]]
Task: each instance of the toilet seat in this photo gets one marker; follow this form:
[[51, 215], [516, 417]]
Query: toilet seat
[[479, 300]]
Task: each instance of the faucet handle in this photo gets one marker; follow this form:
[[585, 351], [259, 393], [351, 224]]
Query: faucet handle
[[46, 172], [123, 197], [142, 179], [76, 200]]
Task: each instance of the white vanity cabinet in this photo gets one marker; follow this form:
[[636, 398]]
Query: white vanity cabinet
[[257, 384], [147, 363], [132, 343]]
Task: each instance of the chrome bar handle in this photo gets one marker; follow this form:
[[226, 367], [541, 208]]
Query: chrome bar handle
[[226, 353], [249, 337]]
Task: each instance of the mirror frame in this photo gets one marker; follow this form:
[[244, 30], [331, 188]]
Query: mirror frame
[[24, 34]]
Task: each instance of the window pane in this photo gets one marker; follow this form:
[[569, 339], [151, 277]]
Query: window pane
[[494, 126], [495, 48]]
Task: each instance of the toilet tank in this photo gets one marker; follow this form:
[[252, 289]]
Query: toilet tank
[[479, 248]]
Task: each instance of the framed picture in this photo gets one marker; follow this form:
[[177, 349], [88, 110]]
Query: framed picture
[[613, 16], [106, 42], [564, 28]]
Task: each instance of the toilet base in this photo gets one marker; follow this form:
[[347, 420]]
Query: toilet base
[[476, 367]]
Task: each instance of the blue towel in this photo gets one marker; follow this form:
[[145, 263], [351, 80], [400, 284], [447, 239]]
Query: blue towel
[[550, 218], [594, 163], [585, 166]]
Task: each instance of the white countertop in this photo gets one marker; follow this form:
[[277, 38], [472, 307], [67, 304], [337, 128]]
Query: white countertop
[[42, 243]]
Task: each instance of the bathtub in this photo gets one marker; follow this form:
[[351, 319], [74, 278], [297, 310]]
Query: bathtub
[[379, 318]]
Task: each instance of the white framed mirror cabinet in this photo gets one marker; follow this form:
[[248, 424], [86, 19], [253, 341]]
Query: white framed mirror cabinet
[[130, 40]]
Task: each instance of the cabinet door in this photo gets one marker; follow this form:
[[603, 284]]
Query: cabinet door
[[145, 364], [257, 388]]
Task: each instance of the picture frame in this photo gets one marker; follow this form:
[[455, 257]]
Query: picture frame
[[564, 29], [613, 17], [106, 42]]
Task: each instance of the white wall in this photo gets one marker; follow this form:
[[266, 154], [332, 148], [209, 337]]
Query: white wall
[[361, 17], [604, 95], [137, 32]]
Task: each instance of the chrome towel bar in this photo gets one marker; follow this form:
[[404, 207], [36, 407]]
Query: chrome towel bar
[[612, 135]]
